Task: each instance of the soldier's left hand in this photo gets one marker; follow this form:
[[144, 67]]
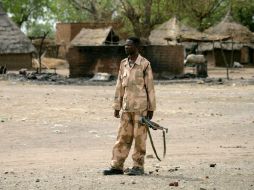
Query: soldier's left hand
[[149, 115]]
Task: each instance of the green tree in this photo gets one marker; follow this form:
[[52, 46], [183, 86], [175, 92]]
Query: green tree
[[65, 12], [138, 16], [95, 10], [38, 29], [22, 11], [203, 13], [143, 15], [244, 12]]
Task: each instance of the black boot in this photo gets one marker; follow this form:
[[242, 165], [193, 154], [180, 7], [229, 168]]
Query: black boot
[[113, 171], [135, 171]]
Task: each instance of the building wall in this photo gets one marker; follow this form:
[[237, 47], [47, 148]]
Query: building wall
[[251, 52], [63, 33], [16, 61], [245, 59], [165, 60], [63, 38], [209, 55], [86, 61], [219, 60]]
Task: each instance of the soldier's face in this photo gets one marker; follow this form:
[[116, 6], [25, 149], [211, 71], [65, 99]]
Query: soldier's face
[[130, 48]]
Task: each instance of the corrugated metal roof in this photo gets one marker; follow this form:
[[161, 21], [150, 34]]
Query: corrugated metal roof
[[12, 39]]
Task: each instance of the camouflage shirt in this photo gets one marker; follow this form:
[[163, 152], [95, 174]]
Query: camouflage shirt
[[135, 88]]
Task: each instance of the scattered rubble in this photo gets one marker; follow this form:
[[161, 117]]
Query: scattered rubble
[[102, 77], [175, 184], [23, 72], [212, 165], [238, 146], [53, 79], [37, 180], [106, 79], [174, 169], [133, 182]]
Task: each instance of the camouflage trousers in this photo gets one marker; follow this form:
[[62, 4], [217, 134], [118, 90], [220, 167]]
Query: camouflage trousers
[[130, 129]]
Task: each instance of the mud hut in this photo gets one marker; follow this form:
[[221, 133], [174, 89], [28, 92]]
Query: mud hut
[[66, 32], [238, 48], [15, 48], [97, 50], [94, 50]]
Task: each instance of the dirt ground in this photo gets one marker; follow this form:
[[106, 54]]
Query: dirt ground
[[61, 136]]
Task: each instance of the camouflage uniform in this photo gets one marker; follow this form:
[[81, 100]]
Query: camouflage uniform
[[135, 96]]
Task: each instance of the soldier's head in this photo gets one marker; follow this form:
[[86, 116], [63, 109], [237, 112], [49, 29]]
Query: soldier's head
[[132, 45]]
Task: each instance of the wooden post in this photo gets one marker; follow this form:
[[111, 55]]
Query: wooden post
[[224, 58], [232, 52], [40, 50]]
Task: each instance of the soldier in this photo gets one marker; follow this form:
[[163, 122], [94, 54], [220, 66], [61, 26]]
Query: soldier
[[135, 96]]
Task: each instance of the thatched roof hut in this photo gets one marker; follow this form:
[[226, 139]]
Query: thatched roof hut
[[239, 35], [15, 47], [169, 32], [95, 37], [237, 48], [12, 40], [229, 27]]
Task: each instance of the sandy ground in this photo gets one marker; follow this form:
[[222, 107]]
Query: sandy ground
[[61, 137]]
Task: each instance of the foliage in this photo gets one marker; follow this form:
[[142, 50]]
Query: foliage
[[202, 13], [244, 12], [38, 29], [139, 16], [27, 10], [143, 15], [94, 10]]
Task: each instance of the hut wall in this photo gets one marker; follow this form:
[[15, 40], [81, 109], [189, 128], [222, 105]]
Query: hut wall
[[209, 55], [86, 61], [251, 52], [63, 39], [245, 59], [165, 60], [16, 61], [219, 60], [63, 33]]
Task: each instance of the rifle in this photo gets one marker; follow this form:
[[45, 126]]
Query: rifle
[[155, 126]]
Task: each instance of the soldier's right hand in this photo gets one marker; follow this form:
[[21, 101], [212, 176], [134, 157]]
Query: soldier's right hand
[[116, 114]]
